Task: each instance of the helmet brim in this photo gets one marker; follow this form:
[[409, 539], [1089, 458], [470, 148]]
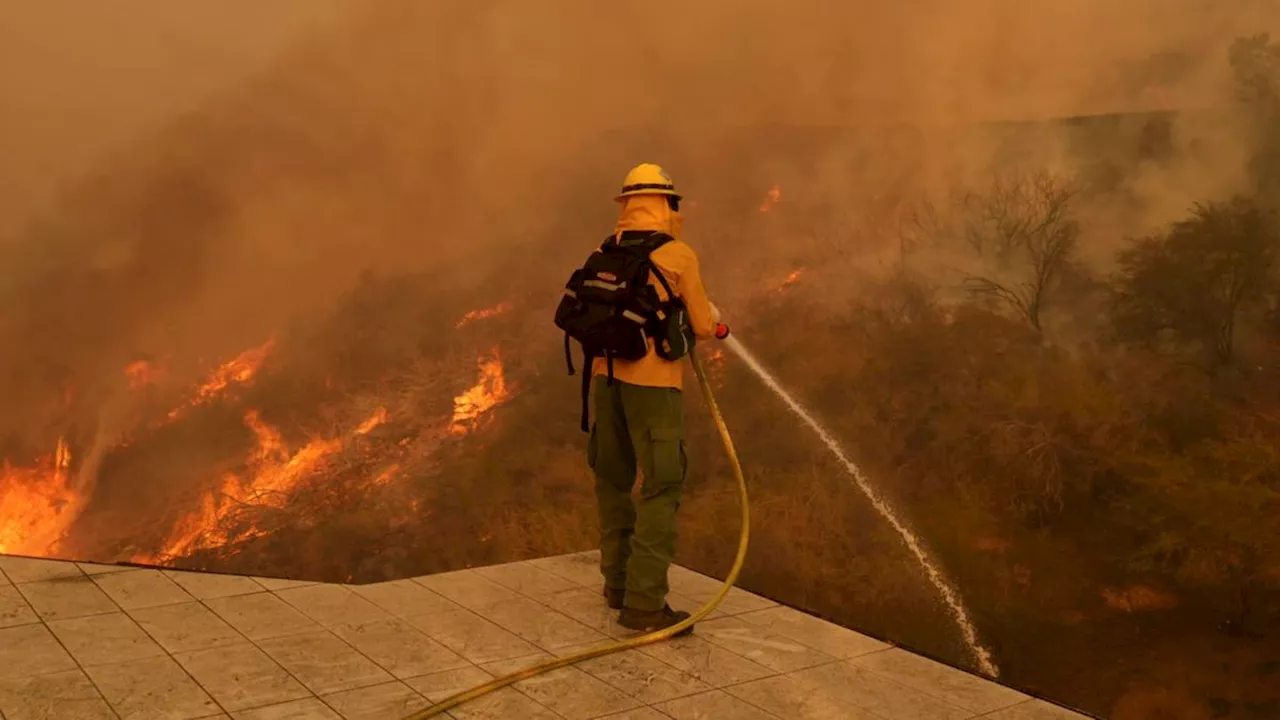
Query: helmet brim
[[648, 191]]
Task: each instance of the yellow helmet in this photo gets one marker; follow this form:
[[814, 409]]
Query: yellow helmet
[[647, 179]]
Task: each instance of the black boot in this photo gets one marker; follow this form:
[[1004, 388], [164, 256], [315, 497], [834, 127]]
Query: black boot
[[650, 620], [614, 597]]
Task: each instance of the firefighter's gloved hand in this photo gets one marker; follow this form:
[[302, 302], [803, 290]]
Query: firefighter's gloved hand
[[715, 313], [722, 331]]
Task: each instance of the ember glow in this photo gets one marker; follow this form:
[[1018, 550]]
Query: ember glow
[[142, 374], [37, 504], [771, 198], [483, 314], [715, 367], [791, 279], [238, 371], [379, 417], [490, 391], [273, 473]]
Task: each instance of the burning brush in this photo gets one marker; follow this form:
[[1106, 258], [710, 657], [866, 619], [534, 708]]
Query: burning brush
[[36, 503], [277, 478]]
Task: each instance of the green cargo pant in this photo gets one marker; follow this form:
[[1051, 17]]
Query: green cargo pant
[[644, 427]]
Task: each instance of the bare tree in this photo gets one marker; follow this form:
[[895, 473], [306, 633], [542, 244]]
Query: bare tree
[[1021, 228]]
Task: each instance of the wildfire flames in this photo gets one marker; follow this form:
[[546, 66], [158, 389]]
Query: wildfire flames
[[36, 504], [380, 417], [40, 502], [274, 473], [490, 391], [771, 198], [483, 314], [240, 370]]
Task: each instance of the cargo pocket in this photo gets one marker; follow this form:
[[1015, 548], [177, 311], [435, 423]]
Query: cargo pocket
[[593, 447], [670, 463]]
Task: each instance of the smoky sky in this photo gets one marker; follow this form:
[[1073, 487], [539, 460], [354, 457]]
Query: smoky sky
[[78, 80], [186, 178]]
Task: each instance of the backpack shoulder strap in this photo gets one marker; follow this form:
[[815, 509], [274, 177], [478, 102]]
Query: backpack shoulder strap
[[652, 243], [644, 245], [657, 240]]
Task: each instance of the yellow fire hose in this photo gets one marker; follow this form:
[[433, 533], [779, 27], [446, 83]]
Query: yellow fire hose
[[639, 640]]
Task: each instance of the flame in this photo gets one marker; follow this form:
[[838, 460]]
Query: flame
[[771, 198], [490, 391], [715, 367], [239, 370], [37, 504], [791, 279], [141, 374], [379, 417], [274, 473], [386, 475], [483, 314]]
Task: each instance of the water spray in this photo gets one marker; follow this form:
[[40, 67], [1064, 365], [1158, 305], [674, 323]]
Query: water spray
[[949, 596]]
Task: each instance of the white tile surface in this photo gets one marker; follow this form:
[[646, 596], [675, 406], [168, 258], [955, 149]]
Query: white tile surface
[[104, 639], [242, 676], [67, 597], [91, 642], [24, 570], [324, 663], [141, 589], [154, 688], [203, 586], [262, 616], [68, 695], [187, 626], [954, 686], [14, 609]]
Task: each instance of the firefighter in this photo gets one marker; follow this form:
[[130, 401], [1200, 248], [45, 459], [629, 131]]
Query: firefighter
[[639, 421]]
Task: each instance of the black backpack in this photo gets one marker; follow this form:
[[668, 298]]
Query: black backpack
[[612, 310]]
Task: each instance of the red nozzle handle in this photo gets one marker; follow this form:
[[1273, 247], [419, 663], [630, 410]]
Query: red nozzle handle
[[722, 331]]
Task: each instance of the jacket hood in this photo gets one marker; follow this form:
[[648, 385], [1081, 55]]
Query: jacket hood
[[648, 212]]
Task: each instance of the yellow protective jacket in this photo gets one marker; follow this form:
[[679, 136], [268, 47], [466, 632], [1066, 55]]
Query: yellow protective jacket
[[678, 263]]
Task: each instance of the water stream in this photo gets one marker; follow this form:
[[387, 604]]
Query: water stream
[[949, 595]]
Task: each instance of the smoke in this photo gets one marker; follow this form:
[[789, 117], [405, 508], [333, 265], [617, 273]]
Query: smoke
[[78, 80], [482, 140]]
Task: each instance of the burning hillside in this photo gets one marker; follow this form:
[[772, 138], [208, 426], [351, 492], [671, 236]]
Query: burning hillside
[[327, 451], [274, 473]]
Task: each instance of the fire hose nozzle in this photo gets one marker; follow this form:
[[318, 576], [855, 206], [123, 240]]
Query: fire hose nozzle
[[722, 331]]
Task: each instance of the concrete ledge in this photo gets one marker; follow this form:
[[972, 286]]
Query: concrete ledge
[[80, 641]]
